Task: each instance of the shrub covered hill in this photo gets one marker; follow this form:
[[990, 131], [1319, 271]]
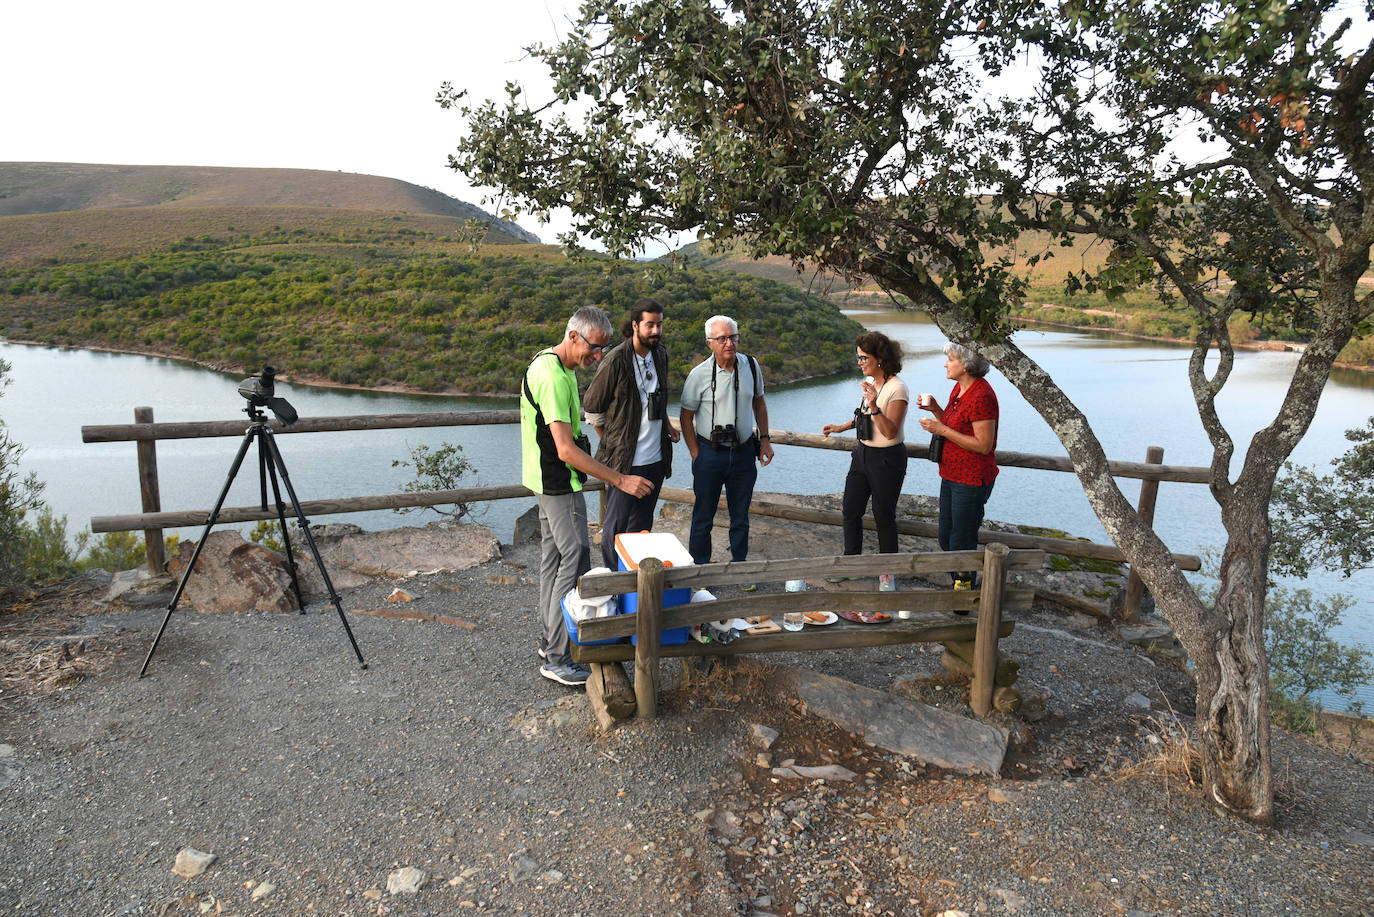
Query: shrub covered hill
[[350, 279]]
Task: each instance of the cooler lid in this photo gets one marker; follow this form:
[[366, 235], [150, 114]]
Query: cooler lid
[[632, 547]]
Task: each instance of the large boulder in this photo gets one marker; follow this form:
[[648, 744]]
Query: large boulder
[[233, 575], [354, 557]]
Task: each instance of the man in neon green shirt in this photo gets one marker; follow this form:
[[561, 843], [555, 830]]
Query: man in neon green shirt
[[556, 460]]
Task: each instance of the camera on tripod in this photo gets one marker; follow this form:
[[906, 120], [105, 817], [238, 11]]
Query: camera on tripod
[[723, 437], [259, 390]]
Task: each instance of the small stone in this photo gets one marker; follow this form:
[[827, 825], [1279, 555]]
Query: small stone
[[763, 735], [762, 760], [399, 595], [373, 894], [263, 890], [1010, 899], [1138, 700], [522, 868], [952, 913], [191, 862], [996, 795], [6, 751], [405, 881]]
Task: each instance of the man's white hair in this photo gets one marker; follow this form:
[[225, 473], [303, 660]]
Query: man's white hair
[[721, 319]]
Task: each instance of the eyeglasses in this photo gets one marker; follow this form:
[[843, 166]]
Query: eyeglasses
[[732, 338], [862, 358], [596, 348]]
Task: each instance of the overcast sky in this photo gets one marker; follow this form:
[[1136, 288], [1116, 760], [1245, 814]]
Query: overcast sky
[[339, 86], [343, 85]]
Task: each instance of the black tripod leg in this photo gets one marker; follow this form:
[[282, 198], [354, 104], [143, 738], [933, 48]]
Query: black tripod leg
[[275, 454], [200, 546], [285, 535]]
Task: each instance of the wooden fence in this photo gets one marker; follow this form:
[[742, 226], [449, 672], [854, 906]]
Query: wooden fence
[[145, 432]]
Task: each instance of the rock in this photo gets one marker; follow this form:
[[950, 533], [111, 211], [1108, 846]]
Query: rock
[[1010, 899], [904, 726], [233, 575], [522, 868], [527, 527], [191, 862], [354, 558], [263, 890], [405, 881], [399, 595], [1358, 838], [1137, 700], [763, 735], [129, 581], [828, 772]]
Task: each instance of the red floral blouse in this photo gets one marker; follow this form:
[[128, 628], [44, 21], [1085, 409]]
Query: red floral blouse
[[957, 463]]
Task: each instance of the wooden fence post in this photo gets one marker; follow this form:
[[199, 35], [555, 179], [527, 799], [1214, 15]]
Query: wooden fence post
[[648, 629], [148, 490], [1149, 492], [989, 622]]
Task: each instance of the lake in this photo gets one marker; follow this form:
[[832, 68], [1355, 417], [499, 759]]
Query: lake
[[1135, 394]]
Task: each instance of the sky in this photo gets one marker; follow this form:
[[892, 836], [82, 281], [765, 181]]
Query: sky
[[345, 86], [342, 86]]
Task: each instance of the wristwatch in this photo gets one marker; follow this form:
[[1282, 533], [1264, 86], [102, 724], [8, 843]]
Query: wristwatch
[[765, 436]]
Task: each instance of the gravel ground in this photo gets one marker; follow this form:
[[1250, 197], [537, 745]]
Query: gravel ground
[[315, 784]]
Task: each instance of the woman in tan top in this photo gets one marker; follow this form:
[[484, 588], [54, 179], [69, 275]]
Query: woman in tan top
[[878, 465]]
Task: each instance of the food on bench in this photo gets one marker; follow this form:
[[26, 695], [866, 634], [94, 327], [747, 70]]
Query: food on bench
[[866, 617], [821, 617], [766, 626]]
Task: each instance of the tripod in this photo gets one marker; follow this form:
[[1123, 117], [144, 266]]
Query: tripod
[[270, 464]]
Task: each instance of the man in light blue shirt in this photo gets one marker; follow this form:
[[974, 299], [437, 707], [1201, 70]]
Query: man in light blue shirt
[[725, 425]]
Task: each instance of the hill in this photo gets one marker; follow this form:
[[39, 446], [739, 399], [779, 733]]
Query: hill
[[50, 187], [234, 268]]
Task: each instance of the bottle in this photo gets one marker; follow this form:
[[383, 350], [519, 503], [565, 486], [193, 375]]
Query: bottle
[[794, 620]]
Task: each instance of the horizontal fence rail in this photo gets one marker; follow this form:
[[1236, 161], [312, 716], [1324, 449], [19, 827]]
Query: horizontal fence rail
[[145, 432], [136, 432]]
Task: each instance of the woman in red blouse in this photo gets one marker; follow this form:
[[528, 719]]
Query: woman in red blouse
[[968, 466]]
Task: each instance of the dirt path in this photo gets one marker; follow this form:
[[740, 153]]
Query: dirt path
[[258, 739]]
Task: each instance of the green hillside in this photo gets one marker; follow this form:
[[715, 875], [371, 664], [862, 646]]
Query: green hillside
[[386, 304]]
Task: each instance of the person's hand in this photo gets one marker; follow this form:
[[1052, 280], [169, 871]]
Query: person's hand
[[832, 428], [869, 392], [931, 425], [674, 434], [766, 452], [634, 485]]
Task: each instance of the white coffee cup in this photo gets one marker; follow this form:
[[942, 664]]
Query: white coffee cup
[[926, 399]]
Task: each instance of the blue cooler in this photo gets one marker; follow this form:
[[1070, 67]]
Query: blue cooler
[[630, 549], [572, 628]]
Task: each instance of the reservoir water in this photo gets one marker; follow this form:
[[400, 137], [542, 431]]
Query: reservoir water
[[1135, 394]]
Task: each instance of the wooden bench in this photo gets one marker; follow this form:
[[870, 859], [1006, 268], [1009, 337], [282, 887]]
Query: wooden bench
[[933, 617]]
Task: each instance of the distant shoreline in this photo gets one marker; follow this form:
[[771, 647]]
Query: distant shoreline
[[1260, 346]]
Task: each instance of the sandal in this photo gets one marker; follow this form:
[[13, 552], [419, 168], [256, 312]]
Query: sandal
[[865, 617]]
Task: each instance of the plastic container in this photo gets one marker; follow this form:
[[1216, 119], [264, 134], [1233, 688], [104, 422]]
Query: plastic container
[[794, 620], [630, 549], [571, 624]]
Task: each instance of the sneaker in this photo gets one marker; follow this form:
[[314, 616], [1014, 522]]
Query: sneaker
[[748, 587], [566, 673], [543, 653], [887, 582], [963, 585]]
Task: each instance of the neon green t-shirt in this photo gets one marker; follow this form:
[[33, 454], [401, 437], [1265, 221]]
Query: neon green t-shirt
[[548, 395]]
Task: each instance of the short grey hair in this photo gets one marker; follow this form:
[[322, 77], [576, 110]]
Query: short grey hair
[[589, 319], [718, 319], [976, 366]]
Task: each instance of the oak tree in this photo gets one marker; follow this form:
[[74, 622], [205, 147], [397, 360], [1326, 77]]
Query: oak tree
[[914, 142]]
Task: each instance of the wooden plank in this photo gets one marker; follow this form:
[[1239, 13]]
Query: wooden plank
[[647, 631], [1064, 546], [843, 635], [125, 432], [918, 563], [312, 508], [154, 547], [1186, 474], [989, 619], [921, 601], [1149, 493]]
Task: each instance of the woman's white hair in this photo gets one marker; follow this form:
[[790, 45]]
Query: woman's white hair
[[977, 366]]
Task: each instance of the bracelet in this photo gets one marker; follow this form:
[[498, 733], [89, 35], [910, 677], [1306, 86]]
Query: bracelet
[[875, 412], [765, 436]]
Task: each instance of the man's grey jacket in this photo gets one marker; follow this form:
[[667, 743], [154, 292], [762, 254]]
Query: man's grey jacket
[[612, 403]]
